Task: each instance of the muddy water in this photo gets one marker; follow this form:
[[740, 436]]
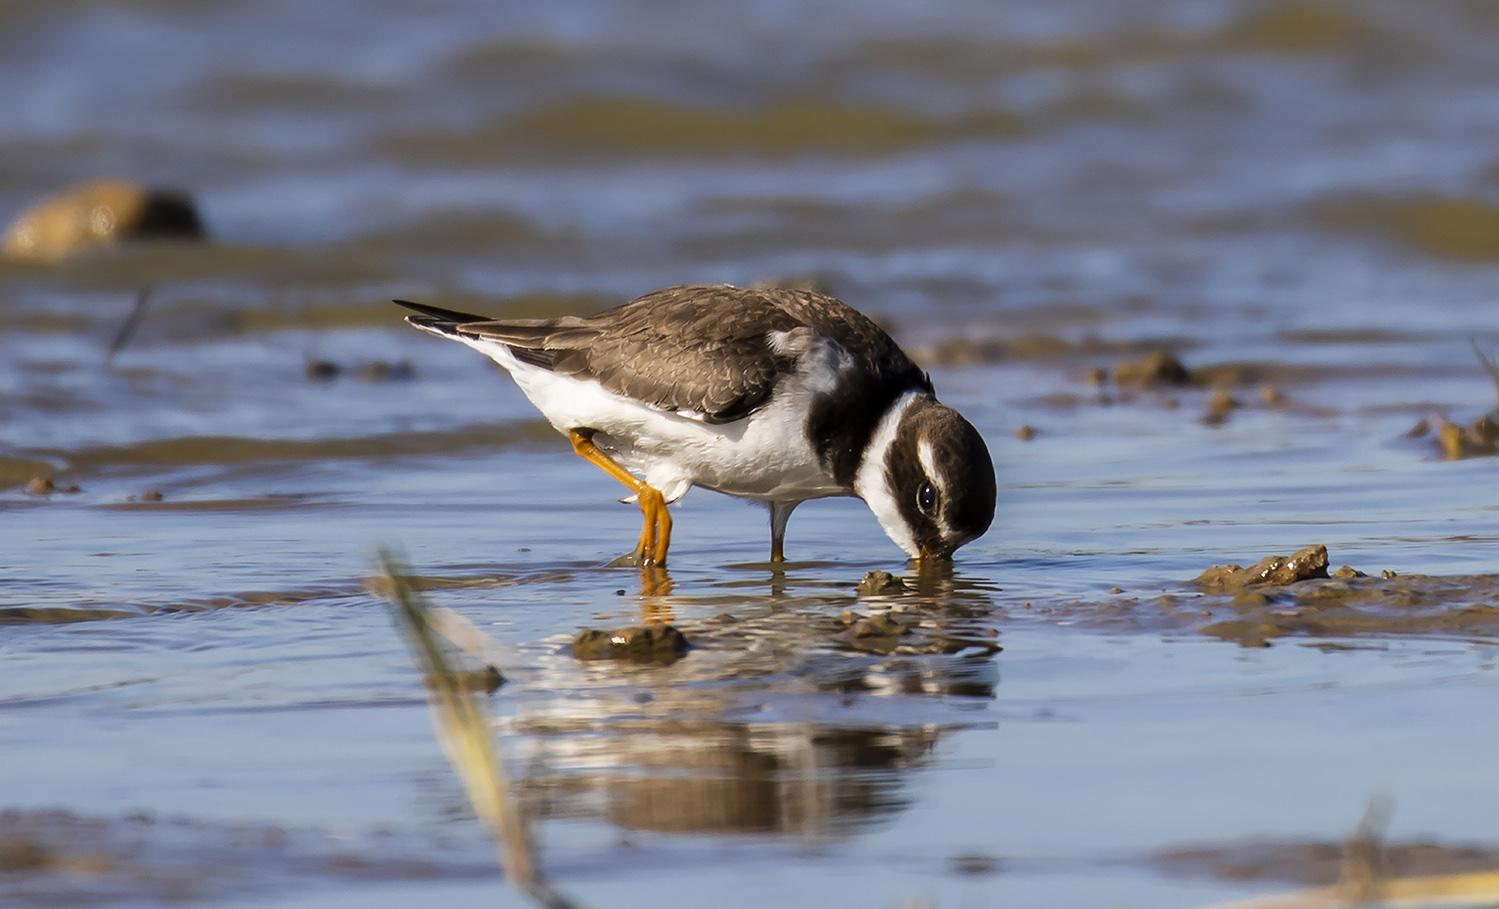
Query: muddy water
[[202, 703]]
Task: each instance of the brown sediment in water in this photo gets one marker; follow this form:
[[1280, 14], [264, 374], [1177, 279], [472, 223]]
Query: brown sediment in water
[[1284, 28], [21, 471], [89, 612], [1296, 28], [1462, 606], [1293, 595], [463, 230], [57, 858], [1461, 228], [1156, 362], [967, 350], [614, 126], [963, 216], [250, 94], [214, 317], [1296, 597], [61, 615], [129, 267], [1320, 862], [230, 450]]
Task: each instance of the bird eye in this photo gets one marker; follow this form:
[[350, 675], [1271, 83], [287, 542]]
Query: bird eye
[[926, 498]]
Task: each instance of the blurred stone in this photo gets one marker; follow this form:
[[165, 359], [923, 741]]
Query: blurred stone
[[95, 215], [41, 486], [1026, 432]]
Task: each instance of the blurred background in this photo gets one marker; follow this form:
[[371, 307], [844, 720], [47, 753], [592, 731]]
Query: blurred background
[[207, 402], [1242, 158]]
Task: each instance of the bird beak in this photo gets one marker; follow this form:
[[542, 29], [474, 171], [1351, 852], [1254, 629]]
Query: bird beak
[[931, 557]]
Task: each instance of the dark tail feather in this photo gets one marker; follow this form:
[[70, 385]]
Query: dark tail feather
[[437, 316]]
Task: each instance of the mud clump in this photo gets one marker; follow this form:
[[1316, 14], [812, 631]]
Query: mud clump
[[1155, 369], [881, 584], [662, 644], [93, 216], [1220, 405], [1303, 565], [46, 486], [1353, 604], [1478, 439]]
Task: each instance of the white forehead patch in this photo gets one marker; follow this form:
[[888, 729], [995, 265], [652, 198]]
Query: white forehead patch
[[929, 464], [873, 486]]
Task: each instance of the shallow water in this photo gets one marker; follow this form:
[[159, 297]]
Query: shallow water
[[1294, 196]]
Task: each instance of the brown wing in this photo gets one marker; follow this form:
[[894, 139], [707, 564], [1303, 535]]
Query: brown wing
[[699, 349]]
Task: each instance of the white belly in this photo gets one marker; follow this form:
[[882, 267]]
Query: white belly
[[765, 457]]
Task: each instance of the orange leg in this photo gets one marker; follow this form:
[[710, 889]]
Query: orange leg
[[655, 531]]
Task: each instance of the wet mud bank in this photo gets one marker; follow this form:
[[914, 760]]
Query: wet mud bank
[[1295, 597]]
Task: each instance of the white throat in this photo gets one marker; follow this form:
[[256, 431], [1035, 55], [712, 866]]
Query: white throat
[[873, 485]]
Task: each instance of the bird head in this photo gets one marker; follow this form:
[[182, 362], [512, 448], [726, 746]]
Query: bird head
[[928, 478]]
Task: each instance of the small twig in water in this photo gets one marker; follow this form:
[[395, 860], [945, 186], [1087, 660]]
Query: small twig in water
[[1489, 365], [132, 322]]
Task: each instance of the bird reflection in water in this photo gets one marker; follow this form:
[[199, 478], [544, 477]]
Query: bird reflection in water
[[835, 729]]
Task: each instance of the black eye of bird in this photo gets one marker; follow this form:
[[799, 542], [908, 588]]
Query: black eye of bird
[[926, 498]]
